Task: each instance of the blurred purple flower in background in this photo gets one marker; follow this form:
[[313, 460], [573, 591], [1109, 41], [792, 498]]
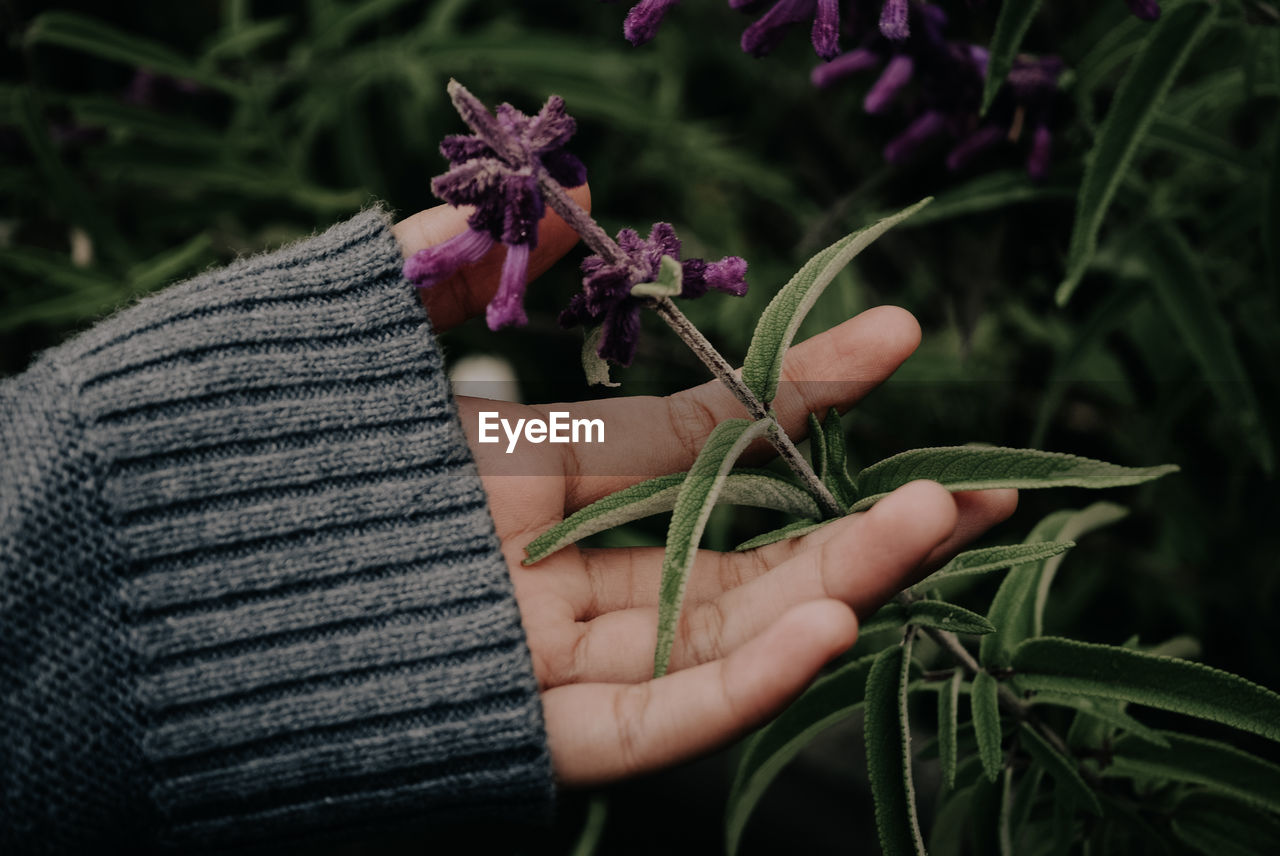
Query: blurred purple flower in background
[[606, 296], [934, 82], [497, 169]]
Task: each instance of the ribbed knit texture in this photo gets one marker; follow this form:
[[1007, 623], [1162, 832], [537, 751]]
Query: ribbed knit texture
[[249, 585]]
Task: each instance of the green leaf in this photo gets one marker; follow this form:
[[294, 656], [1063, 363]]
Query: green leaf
[[1222, 827], [1017, 606], [757, 488], [1186, 296], [835, 470], [86, 34], [1105, 711], [947, 616], [948, 703], [889, 616], [985, 702], [1011, 26], [1270, 214], [1136, 103], [781, 318], [668, 284], [830, 700], [593, 826], [791, 530], [698, 495], [1181, 137], [1197, 760], [987, 467], [988, 559], [888, 742], [1068, 667], [595, 367], [947, 836], [1060, 767], [170, 265]]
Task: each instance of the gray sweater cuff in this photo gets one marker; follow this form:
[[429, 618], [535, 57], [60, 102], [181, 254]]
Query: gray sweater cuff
[[323, 624]]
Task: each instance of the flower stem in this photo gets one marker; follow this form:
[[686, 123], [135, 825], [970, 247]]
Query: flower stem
[[720, 367], [598, 240]]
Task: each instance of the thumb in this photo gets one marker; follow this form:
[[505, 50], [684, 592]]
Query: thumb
[[468, 291]]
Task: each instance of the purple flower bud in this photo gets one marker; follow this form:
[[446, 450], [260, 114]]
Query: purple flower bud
[[842, 66], [606, 286], [893, 20], [1041, 150], [901, 148], [643, 20], [500, 169], [826, 29], [979, 56], [764, 35], [507, 306], [973, 145], [896, 75], [1147, 10], [434, 264], [1032, 79]]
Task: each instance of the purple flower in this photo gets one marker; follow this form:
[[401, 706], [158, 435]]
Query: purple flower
[[894, 20], [498, 169], [643, 20], [842, 66], [1147, 10], [1041, 149], [606, 296], [895, 76]]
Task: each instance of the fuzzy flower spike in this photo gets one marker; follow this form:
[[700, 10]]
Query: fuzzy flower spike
[[609, 295], [499, 169]]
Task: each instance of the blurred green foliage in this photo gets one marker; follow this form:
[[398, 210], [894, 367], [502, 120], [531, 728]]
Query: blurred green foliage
[[274, 119]]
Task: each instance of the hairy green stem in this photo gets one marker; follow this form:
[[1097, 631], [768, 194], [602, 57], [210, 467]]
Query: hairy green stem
[[599, 241]]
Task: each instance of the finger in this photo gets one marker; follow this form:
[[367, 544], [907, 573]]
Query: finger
[[601, 732], [468, 291], [612, 579], [864, 564], [977, 511], [834, 369]]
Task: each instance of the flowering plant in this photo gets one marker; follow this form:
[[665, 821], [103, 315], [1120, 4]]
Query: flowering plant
[[514, 165]]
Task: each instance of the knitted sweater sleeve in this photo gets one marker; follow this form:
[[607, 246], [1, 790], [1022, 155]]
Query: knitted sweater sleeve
[[250, 590]]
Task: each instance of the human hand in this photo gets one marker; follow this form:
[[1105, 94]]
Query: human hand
[[757, 626]]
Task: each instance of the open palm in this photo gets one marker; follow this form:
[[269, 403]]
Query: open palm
[[757, 626]]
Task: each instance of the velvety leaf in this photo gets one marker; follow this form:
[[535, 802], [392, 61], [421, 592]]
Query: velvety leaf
[[831, 699], [948, 702], [1060, 767], [890, 615], [1216, 826], [777, 327], [1197, 760], [1186, 296], [1065, 666], [888, 740], [657, 495], [1014, 608], [835, 471], [1177, 135], [988, 559], [1004, 824], [1103, 710], [595, 367], [947, 616], [697, 496], [1136, 103], [791, 530], [985, 701], [988, 467], [1015, 17]]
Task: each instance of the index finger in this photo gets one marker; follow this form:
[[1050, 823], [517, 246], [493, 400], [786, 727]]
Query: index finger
[[470, 289], [652, 436]]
